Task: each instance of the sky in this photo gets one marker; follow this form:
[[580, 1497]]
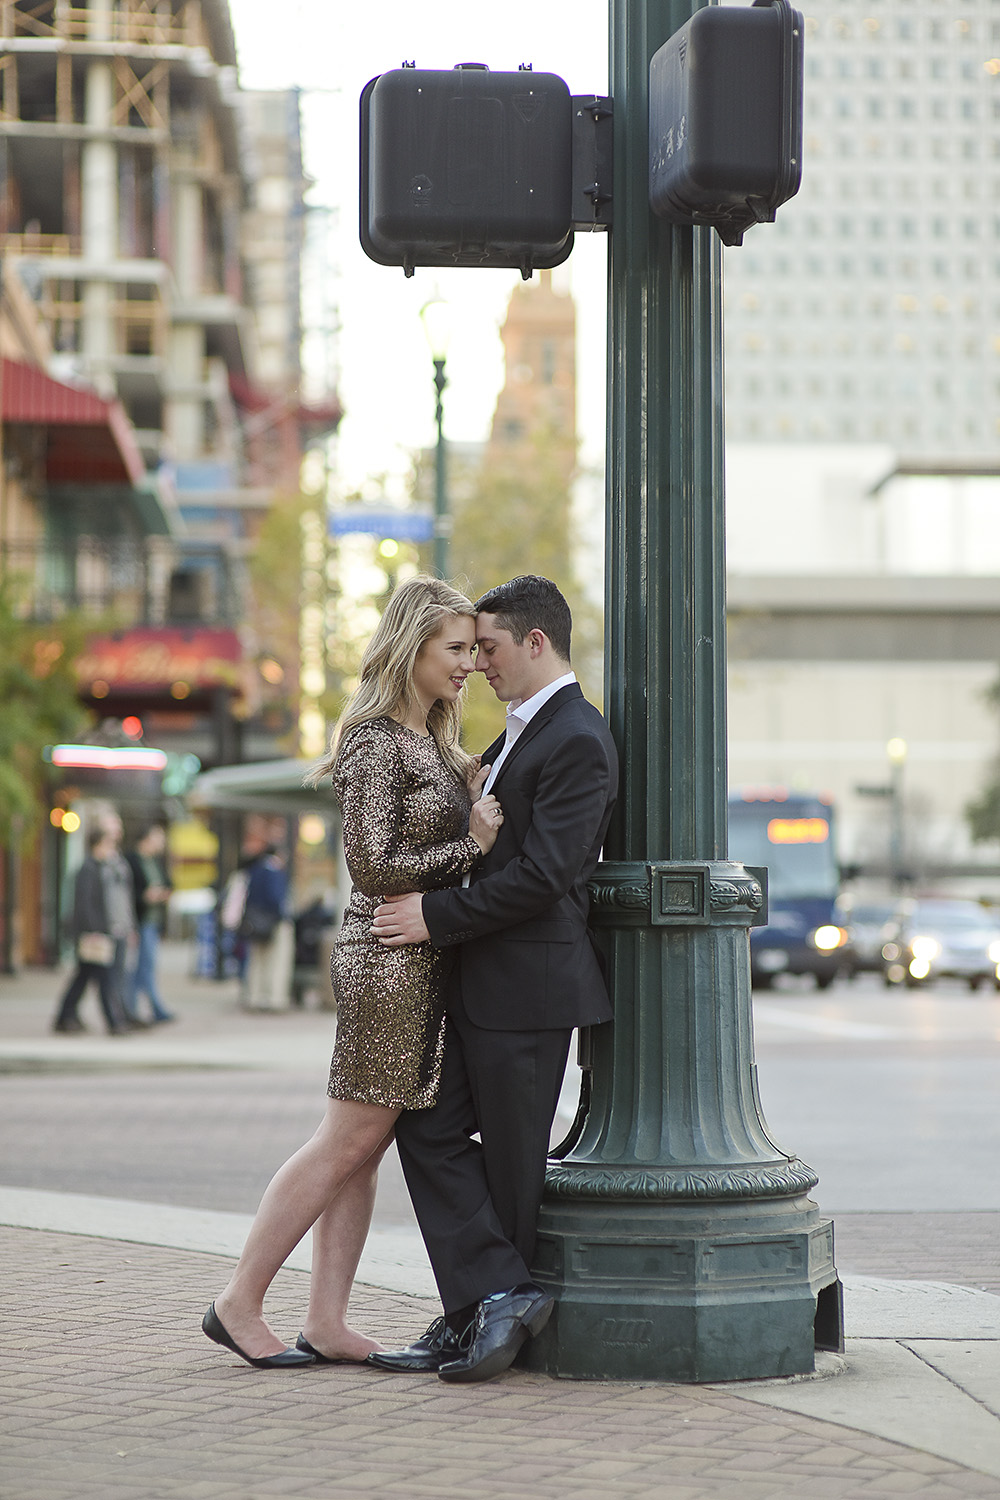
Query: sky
[[331, 50]]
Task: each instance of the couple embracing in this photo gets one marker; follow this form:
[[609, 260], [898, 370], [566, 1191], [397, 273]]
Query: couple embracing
[[462, 967]]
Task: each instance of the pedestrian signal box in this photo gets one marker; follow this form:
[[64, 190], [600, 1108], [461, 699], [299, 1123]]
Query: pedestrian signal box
[[725, 117], [465, 167]]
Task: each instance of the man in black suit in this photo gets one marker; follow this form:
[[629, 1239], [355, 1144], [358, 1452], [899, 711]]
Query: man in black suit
[[525, 974]]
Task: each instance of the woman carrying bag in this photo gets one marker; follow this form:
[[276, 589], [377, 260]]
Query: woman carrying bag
[[95, 945]]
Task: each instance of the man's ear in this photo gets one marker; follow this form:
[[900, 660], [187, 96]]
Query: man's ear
[[536, 641]]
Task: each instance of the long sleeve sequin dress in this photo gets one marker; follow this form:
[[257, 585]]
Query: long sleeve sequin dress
[[406, 821]]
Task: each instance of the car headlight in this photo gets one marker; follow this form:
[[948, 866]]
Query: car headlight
[[829, 937], [925, 948], [993, 952]]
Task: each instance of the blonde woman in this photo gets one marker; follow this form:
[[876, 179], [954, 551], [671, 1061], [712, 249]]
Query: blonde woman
[[413, 818]]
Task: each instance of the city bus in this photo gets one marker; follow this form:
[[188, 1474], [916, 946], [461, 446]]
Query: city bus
[[792, 833]]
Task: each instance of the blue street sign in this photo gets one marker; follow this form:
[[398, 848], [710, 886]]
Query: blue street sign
[[402, 525]]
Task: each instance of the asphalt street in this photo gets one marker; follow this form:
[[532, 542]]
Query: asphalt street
[[889, 1095]]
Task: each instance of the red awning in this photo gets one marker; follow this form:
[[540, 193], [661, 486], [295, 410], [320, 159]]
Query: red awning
[[90, 440]]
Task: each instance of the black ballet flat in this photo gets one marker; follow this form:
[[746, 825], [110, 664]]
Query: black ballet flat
[[288, 1359], [304, 1346]]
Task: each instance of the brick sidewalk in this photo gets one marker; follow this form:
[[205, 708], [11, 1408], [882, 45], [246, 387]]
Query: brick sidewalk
[[108, 1386]]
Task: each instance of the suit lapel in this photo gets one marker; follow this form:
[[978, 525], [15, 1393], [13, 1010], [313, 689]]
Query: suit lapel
[[491, 752], [541, 718]]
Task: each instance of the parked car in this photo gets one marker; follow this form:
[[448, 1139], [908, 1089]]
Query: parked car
[[943, 937], [869, 926]]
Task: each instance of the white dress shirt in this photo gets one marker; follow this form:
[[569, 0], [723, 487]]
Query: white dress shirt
[[520, 712]]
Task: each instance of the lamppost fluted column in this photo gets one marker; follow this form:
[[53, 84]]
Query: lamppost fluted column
[[678, 1237]]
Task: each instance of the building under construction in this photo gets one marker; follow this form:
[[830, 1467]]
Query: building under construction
[[153, 213]]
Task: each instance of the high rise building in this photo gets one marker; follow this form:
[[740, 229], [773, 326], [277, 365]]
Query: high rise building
[[870, 312]]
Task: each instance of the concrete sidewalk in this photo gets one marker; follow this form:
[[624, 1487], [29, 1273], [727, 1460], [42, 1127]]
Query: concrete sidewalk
[[108, 1381]]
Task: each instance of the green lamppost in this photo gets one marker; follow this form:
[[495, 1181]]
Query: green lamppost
[[436, 318], [680, 1239]]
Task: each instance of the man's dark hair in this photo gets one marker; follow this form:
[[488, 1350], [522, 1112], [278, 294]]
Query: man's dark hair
[[530, 603]]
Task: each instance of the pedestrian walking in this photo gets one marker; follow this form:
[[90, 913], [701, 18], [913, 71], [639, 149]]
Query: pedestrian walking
[[151, 892], [120, 898], [93, 901]]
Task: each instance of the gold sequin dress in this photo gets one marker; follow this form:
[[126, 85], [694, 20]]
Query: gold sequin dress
[[406, 828]]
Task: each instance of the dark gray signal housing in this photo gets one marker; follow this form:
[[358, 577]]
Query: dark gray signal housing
[[465, 167], [725, 117]]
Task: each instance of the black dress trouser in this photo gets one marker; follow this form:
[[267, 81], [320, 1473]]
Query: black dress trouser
[[477, 1201], [101, 975]]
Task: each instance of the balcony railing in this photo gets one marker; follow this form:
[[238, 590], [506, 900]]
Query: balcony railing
[[125, 581]]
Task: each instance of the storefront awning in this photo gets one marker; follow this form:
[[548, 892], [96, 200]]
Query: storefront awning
[[270, 786], [89, 440]]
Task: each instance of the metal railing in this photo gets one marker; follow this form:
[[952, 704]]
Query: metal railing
[[129, 581]]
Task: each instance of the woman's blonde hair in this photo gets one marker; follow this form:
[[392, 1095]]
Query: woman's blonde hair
[[414, 615]]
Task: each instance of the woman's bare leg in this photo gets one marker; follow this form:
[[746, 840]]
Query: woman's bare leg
[[297, 1195], [339, 1236]]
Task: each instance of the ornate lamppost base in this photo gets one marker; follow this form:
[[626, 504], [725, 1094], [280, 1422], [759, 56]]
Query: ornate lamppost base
[[685, 1292], [679, 1240]]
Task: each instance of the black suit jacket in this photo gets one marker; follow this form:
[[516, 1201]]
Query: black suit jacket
[[525, 959]]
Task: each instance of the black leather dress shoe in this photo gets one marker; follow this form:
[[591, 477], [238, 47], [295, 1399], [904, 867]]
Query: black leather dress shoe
[[501, 1325], [424, 1357], [288, 1359]]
